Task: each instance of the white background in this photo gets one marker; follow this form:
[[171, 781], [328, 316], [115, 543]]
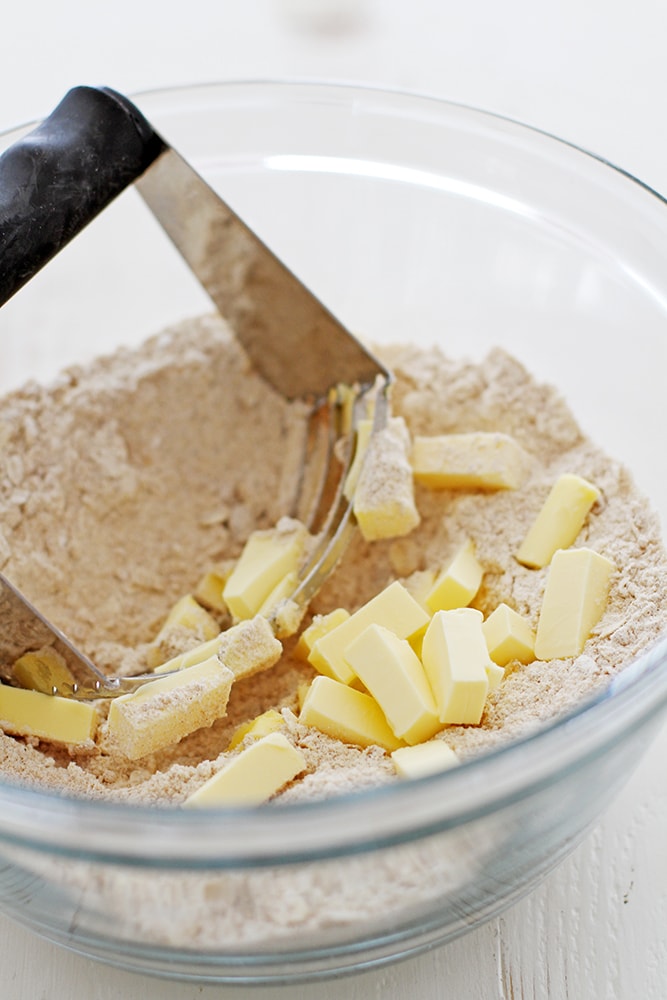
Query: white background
[[591, 71]]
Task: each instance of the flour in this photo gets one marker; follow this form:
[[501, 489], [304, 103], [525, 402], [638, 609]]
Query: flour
[[123, 482]]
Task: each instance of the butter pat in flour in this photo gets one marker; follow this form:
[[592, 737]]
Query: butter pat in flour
[[187, 614], [508, 636], [45, 716], [164, 711], [252, 777], [384, 501], [479, 460], [268, 722], [320, 625], [423, 759], [392, 672], [574, 600], [456, 659], [267, 558], [393, 607], [346, 714], [456, 585], [559, 521]]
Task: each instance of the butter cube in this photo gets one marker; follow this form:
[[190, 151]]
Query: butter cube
[[423, 759], [187, 614], [559, 521], [249, 647], [393, 607], [574, 600], [320, 625], [210, 586], [268, 556], [455, 659], [479, 460], [192, 656], [458, 582], [345, 714], [394, 676], [508, 636], [494, 674], [48, 717], [282, 590], [164, 711], [384, 501], [252, 777], [268, 722], [42, 669]]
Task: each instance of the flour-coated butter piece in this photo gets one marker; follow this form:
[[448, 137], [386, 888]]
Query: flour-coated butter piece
[[509, 636], [164, 711], [191, 657], [384, 499], [478, 460], [423, 759], [559, 521], [455, 659], [575, 599], [211, 585], [249, 647], [320, 625], [252, 777], [393, 674], [393, 607], [187, 614], [42, 670], [267, 558], [364, 429], [46, 716], [346, 714], [456, 585]]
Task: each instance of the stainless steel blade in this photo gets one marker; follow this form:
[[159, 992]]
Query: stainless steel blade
[[291, 338]]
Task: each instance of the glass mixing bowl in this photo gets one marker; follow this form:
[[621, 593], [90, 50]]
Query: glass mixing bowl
[[417, 220]]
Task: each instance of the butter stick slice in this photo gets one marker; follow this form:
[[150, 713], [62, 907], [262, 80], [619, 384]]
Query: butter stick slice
[[252, 777], [48, 717], [393, 674], [166, 710], [456, 585], [346, 714], [478, 460], [559, 521], [574, 600], [455, 659]]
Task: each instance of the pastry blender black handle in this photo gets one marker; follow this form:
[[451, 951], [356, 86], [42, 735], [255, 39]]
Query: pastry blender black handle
[[61, 175]]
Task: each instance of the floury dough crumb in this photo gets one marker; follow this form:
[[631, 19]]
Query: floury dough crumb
[[122, 482]]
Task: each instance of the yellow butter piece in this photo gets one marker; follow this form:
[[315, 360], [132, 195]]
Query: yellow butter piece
[[345, 714], [456, 585], [210, 586], [48, 717], [394, 676], [508, 636], [268, 722], [384, 501], [187, 614], [574, 600], [479, 460], [301, 693], [252, 777], [320, 625], [249, 647], [268, 557], [164, 711], [494, 674], [393, 607], [42, 669], [559, 521], [455, 659], [282, 590], [192, 656], [423, 759]]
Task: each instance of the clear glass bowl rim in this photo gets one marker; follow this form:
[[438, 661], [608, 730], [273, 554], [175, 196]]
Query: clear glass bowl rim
[[114, 832]]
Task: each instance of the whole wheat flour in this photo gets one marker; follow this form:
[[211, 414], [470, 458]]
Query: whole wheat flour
[[121, 482]]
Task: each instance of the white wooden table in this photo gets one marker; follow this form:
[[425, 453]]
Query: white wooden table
[[594, 73]]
